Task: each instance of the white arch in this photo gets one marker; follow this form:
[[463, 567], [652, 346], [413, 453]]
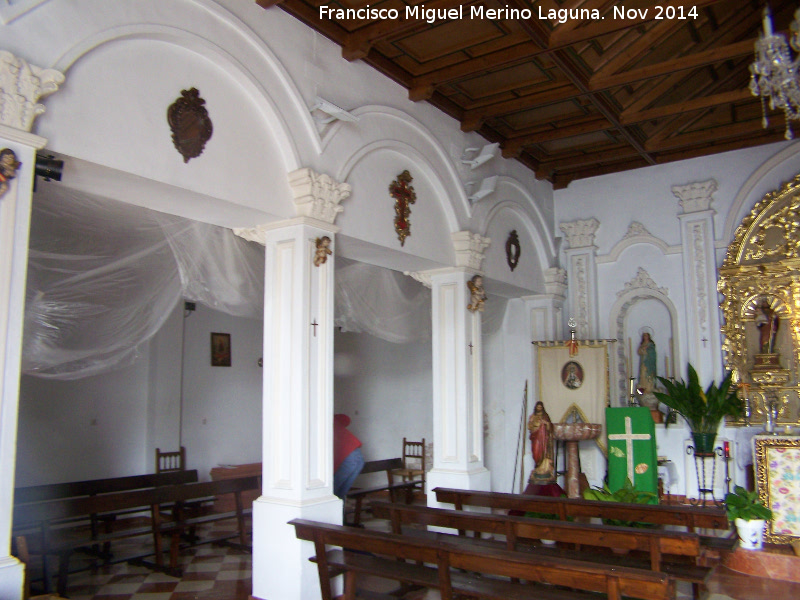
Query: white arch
[[626, 243], [544, 245], [446, 172], [232, 65], [419, 163]]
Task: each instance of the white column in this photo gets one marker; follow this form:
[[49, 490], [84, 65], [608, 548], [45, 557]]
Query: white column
[[703, 344], [458, 459], [25, 85], [546, 309], [582, 269], [298, 390]]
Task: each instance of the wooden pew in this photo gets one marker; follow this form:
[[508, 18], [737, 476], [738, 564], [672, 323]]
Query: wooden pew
[[690, 517], [667, 551], [92, 487], [56, 525], [376, 466], [469, 569]]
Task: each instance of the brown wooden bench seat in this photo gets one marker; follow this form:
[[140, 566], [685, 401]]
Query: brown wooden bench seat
[[689, 517], [376, 466], [92, 487], [673, 552], [60, 527], [469, 570]]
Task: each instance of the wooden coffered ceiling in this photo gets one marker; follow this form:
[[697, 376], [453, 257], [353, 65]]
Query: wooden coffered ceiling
[[579, 98]]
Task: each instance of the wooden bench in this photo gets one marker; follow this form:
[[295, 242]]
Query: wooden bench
[[469, 569], [57, 526], [673, 552], [690, 517], [376, 466], [92, 487]]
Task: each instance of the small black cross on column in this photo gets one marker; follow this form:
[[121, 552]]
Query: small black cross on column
[[704, 340], [314, 325], [470, 348]]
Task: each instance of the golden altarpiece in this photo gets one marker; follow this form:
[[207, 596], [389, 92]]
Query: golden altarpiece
[[760, 282]]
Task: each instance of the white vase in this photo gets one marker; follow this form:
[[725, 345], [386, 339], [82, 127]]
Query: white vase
[[751, 533]]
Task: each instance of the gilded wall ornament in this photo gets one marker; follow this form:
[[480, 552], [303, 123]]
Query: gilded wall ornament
[[404, 196], [760, 285], [190, 124], [477, 300], [9, 165], [512, 250]]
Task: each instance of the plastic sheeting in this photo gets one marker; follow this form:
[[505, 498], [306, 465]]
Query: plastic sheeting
[[103, 276]]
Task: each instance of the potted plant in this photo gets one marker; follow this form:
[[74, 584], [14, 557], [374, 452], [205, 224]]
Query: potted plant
[[702, 410], [626, 494], [750, 515]]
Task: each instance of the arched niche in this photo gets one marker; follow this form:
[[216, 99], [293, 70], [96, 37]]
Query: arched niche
[[634, 310], [760, 284]]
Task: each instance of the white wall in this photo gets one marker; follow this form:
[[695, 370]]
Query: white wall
[[645, 196], [386, 389], [109, 425]]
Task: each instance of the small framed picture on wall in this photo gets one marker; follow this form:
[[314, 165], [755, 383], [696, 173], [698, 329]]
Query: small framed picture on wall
[[220, 349]]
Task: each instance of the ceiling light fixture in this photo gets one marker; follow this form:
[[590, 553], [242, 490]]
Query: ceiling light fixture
[[774, 74]]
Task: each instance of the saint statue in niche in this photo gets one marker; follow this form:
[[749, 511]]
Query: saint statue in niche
[[542, 445], [767, 322]]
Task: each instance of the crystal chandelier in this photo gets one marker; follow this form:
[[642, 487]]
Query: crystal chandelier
[[774, 74]]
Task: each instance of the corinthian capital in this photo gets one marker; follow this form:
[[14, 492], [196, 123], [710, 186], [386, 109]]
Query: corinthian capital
[[469, 249], [21, 86], [317, 195], [695, 197], [580, 233]]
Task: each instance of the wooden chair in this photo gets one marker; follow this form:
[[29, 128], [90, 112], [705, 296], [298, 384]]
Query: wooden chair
[[21, 548], [413, 461], [170, 461]]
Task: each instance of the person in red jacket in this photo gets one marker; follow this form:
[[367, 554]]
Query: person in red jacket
[[347, 458]]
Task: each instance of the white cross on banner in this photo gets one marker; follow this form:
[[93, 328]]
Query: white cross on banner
[[629, 436]]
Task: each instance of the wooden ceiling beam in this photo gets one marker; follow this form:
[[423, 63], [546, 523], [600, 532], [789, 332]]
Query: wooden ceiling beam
[[473, 66], [591, 158], [557, 92], [626, 54], [513, 145], [667, 67], [679, 108], [559, 58], [611, 25], [358, 43], [724, 132]]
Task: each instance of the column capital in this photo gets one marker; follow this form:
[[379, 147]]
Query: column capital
[[695, 197], [580, 233], [469, 248], [555, 282], [426, 277], [21, 86], [259, 232], [317, 195]]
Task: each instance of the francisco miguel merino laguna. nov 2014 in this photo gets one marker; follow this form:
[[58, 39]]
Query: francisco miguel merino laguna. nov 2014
[[562, 15]]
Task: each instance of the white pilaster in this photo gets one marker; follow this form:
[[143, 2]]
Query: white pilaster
[[298, 389], [700, 280], [457, 372], [21, 85], [545, 310], [582, 270]]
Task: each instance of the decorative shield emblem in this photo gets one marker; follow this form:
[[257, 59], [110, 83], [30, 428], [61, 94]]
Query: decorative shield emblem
[[191, 127]]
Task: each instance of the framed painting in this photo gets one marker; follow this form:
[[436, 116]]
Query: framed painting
[[220, 349], [777, 460]]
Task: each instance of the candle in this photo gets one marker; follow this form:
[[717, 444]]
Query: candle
[[666, 366], [767, 22], [726, 446], [631, 387]]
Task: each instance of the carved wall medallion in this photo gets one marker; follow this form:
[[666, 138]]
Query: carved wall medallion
[[190, 124], [512, 249], [9, 165], [404, 196]]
